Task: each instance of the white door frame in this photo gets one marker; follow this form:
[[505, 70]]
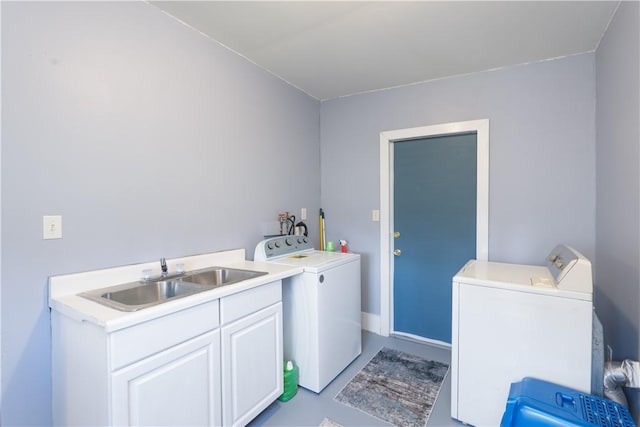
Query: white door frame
[[387, 139]]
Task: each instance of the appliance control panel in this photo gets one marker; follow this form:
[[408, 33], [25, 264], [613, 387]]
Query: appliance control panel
[[570, 269], [276, 247]]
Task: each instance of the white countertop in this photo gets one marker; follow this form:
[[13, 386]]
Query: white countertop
[[64, 289]]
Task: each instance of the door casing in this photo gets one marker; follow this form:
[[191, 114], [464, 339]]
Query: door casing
[[387, 140]]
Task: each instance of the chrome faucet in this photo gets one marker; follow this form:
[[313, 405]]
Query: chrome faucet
[[164, 274], [163, 265]]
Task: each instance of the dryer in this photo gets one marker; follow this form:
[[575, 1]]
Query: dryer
[[321, 308], [511, 321]]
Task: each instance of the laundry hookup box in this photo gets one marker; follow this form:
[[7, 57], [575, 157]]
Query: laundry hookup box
[[536, 403]]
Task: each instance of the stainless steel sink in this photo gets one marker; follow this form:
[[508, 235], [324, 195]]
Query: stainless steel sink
[[143, 294], [134, 296], [218, 276]]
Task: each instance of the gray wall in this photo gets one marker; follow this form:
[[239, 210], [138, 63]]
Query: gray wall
[[541, 167], [618, 185], [149, 139]]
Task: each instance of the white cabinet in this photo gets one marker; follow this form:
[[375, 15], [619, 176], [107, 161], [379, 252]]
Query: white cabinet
[[251, 353], [215, 363], [134, 375], [179, 386]]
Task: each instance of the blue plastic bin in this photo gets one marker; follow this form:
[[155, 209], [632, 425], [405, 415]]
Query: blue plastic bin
[[537, 403]]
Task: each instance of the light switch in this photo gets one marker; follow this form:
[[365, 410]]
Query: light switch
[[303, 214], [52, 227], [375, 215]]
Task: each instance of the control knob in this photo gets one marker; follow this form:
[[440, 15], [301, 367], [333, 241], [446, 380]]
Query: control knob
[[288, 241]]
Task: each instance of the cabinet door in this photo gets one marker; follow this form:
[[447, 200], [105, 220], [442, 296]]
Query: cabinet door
[[251, 365], [179, 386]]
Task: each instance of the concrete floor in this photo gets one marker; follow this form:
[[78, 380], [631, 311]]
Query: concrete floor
[[309, 409]]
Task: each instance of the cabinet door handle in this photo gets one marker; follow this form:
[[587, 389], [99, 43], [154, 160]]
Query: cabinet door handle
[[397, 252]]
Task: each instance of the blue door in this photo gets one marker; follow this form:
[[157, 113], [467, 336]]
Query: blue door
[[434, 194]]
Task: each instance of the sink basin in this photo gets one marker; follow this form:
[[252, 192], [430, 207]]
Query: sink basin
[[134, 296], [218, 276], [138, 295]]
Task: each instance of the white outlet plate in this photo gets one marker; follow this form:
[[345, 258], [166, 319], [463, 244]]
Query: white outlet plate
[[375, 215], [303, 214], [52, 227]]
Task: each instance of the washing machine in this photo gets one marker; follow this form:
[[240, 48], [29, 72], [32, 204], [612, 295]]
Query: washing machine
[[511, 321], [321, 308]]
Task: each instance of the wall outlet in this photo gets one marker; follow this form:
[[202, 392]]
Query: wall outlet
[[375, 215], [52, 227], [303, 214]]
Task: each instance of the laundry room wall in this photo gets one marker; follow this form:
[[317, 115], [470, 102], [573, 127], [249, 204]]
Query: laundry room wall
[[617, 298], [149, 139], [541, 167]]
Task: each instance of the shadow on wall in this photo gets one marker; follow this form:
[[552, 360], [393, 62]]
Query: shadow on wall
[[37, 348], [633, 397], [365, 269], [612, 319]]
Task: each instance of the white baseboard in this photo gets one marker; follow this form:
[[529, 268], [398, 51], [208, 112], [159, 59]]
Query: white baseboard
[[422, 340], [371, 322]]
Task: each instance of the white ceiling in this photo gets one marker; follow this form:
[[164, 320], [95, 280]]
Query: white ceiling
[[336, 48]]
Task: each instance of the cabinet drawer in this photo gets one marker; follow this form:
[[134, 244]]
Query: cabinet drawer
[[243, 303], [142, 340]]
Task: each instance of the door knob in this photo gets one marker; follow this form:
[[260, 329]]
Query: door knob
[[397, 252], [396, 234]]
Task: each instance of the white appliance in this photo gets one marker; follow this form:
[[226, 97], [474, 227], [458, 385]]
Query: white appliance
[[512, 321], [321, 308]]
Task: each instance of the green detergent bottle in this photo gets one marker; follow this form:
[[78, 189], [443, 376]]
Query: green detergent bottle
[[290, 381]]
